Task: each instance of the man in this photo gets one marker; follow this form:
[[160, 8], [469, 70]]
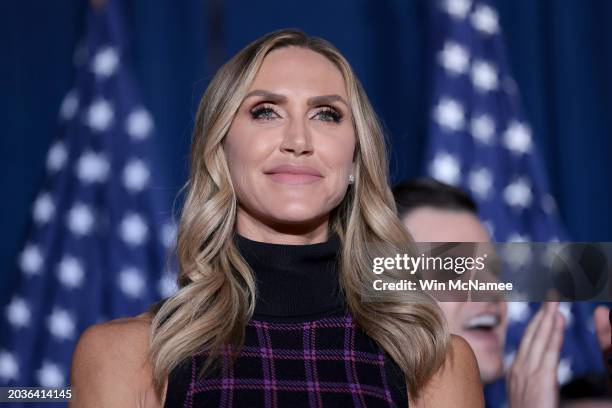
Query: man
[[436, 212]]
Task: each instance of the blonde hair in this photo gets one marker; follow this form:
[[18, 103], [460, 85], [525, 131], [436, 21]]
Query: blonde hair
[[216, 296]]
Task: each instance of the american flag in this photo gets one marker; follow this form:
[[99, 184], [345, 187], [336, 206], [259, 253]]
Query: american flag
[[96, 249], [480, 140]]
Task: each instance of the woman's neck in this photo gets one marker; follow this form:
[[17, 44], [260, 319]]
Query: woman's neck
[[294, 280]]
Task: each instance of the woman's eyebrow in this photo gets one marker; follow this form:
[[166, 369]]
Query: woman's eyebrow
[[326, 100], [312, 101], [270, 96]]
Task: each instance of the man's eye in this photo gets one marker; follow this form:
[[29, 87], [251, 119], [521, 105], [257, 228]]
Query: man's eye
[[329, 115], [263, 112]]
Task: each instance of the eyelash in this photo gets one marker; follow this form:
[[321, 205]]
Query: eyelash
[[260, 110], [331, 112]]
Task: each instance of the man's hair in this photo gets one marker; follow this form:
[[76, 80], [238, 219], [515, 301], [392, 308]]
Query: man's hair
[[427, 192]]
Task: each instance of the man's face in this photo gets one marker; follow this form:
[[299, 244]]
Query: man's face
[[482, 324]]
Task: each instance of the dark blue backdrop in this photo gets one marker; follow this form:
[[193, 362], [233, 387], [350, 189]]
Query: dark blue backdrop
[[560, 52]]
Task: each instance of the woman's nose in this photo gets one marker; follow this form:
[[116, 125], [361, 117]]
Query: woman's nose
[[297, 139]]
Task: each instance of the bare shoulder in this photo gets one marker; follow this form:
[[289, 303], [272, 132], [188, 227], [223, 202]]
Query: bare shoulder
[[457, 383], [123, 333], [110, 365], [105, 342]]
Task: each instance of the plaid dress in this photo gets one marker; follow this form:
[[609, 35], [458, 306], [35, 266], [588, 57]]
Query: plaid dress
[[302, 346], [327, 362]]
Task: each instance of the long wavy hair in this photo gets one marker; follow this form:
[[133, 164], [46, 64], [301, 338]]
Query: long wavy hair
[[216, 296]]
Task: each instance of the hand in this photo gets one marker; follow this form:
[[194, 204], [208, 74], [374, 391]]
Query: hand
[[532, 378], [602, 326], [601, 317]]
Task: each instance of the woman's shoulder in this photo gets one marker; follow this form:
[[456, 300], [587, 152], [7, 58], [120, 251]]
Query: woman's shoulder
[[457, 383], [110, 365], [116, 337]]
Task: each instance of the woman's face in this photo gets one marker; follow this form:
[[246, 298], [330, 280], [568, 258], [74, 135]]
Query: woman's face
[[290, 146]]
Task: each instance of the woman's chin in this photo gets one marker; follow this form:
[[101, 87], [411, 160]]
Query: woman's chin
[[305, 219], [297, 220]]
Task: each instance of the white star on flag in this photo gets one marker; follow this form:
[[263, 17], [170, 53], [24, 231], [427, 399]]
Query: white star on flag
[[480, 182], [139, 124], [517, 138], [57, 156], [485, 19], [445, 167], [484, 76], [518, 255], [133, 229], [167, 285], [31, 260], [457, 8], [70, 105], [80, 219], [565, 308], [168, 234], [564, 371], [135, 175], [61, 324], [508, 360], [9, 369], [518, 193], [131, 282], [482, 128], [105, 62], [93, 168], [100, 115], [518, 311], [43, 208], [449, 114], [516, 237], [50, 376], [454, 58], [490, 227], [18, 313], [70, 272]]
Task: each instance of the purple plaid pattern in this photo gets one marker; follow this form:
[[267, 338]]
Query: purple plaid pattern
[[329, 362]]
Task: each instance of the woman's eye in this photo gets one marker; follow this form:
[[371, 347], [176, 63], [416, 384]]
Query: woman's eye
[[263, 112], [329, 115]]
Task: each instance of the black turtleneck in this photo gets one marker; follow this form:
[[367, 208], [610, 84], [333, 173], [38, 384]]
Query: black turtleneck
[[294, 282], [283, 354]]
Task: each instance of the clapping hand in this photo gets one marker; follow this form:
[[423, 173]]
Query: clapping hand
[[601, 317], [532, 379]]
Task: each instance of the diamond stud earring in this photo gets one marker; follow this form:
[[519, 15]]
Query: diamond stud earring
[[351, 179]]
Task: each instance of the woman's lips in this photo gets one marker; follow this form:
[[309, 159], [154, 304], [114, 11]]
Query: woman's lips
[[294, 178]]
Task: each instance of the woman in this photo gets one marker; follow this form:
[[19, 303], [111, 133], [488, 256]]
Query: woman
[[287, 205]]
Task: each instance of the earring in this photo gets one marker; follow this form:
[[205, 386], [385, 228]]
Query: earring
[[351, 179]]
